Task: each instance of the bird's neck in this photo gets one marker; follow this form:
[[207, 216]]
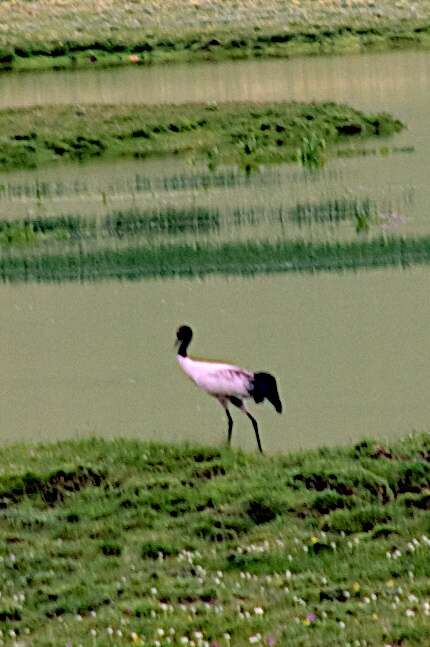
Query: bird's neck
[[182, 350]]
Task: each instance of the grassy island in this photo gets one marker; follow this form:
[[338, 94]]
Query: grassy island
[[235, 133]]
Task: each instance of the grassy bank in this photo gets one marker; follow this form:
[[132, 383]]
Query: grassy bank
[[71, 35], [241, 133], [198, 260], [118, 543]]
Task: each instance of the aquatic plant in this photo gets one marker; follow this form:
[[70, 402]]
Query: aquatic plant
[[364, 216], [119, 224], [333, 211], [12, 233], [134, 262], [311, 151], [169, 220]]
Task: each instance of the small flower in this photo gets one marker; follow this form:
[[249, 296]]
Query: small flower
[[409, 613], [134, 58], [311, 617], [258, 611]]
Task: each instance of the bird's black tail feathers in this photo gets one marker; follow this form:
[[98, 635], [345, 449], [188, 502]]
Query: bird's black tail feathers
[[264, 387]]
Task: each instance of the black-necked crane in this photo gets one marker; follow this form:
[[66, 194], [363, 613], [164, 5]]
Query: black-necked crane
[[227, 383]]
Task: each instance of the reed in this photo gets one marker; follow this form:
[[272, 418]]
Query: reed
[[228, 259]]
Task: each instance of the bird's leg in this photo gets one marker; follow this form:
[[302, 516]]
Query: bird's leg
[[240, 405], [230, 426], [224, 404]]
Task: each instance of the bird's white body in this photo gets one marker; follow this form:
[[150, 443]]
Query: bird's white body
[[217, 379], [228, 383]]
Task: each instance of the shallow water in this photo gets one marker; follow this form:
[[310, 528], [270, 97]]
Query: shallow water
[[350, 352], [396, 182], [349, 349], [362, 79]]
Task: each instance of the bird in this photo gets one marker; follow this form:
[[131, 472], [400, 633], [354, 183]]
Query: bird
[[227, 383]]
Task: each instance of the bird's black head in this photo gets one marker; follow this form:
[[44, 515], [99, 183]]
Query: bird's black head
[[184, 334]]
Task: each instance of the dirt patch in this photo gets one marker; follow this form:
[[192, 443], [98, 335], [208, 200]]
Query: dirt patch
[[382, 452], [12, 615], [222, 529], [208, 473], [206, 457], [421, 502], [52, 488], [414, 478], [328, 501], [260, 512], [320, 482]]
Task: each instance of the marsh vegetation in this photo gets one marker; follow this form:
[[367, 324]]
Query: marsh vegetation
[[234, 133]]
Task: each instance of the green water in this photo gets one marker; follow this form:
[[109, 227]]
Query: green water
[[349, 349]]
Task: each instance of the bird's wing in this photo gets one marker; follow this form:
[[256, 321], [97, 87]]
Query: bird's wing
[[219, 379]]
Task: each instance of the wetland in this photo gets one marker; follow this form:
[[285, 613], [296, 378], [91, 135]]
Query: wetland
[[189, 238], [279, 205]]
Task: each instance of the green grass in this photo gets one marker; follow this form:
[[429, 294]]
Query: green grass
[[121, 542], [242, 133], [80, 36], [198, 260]]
